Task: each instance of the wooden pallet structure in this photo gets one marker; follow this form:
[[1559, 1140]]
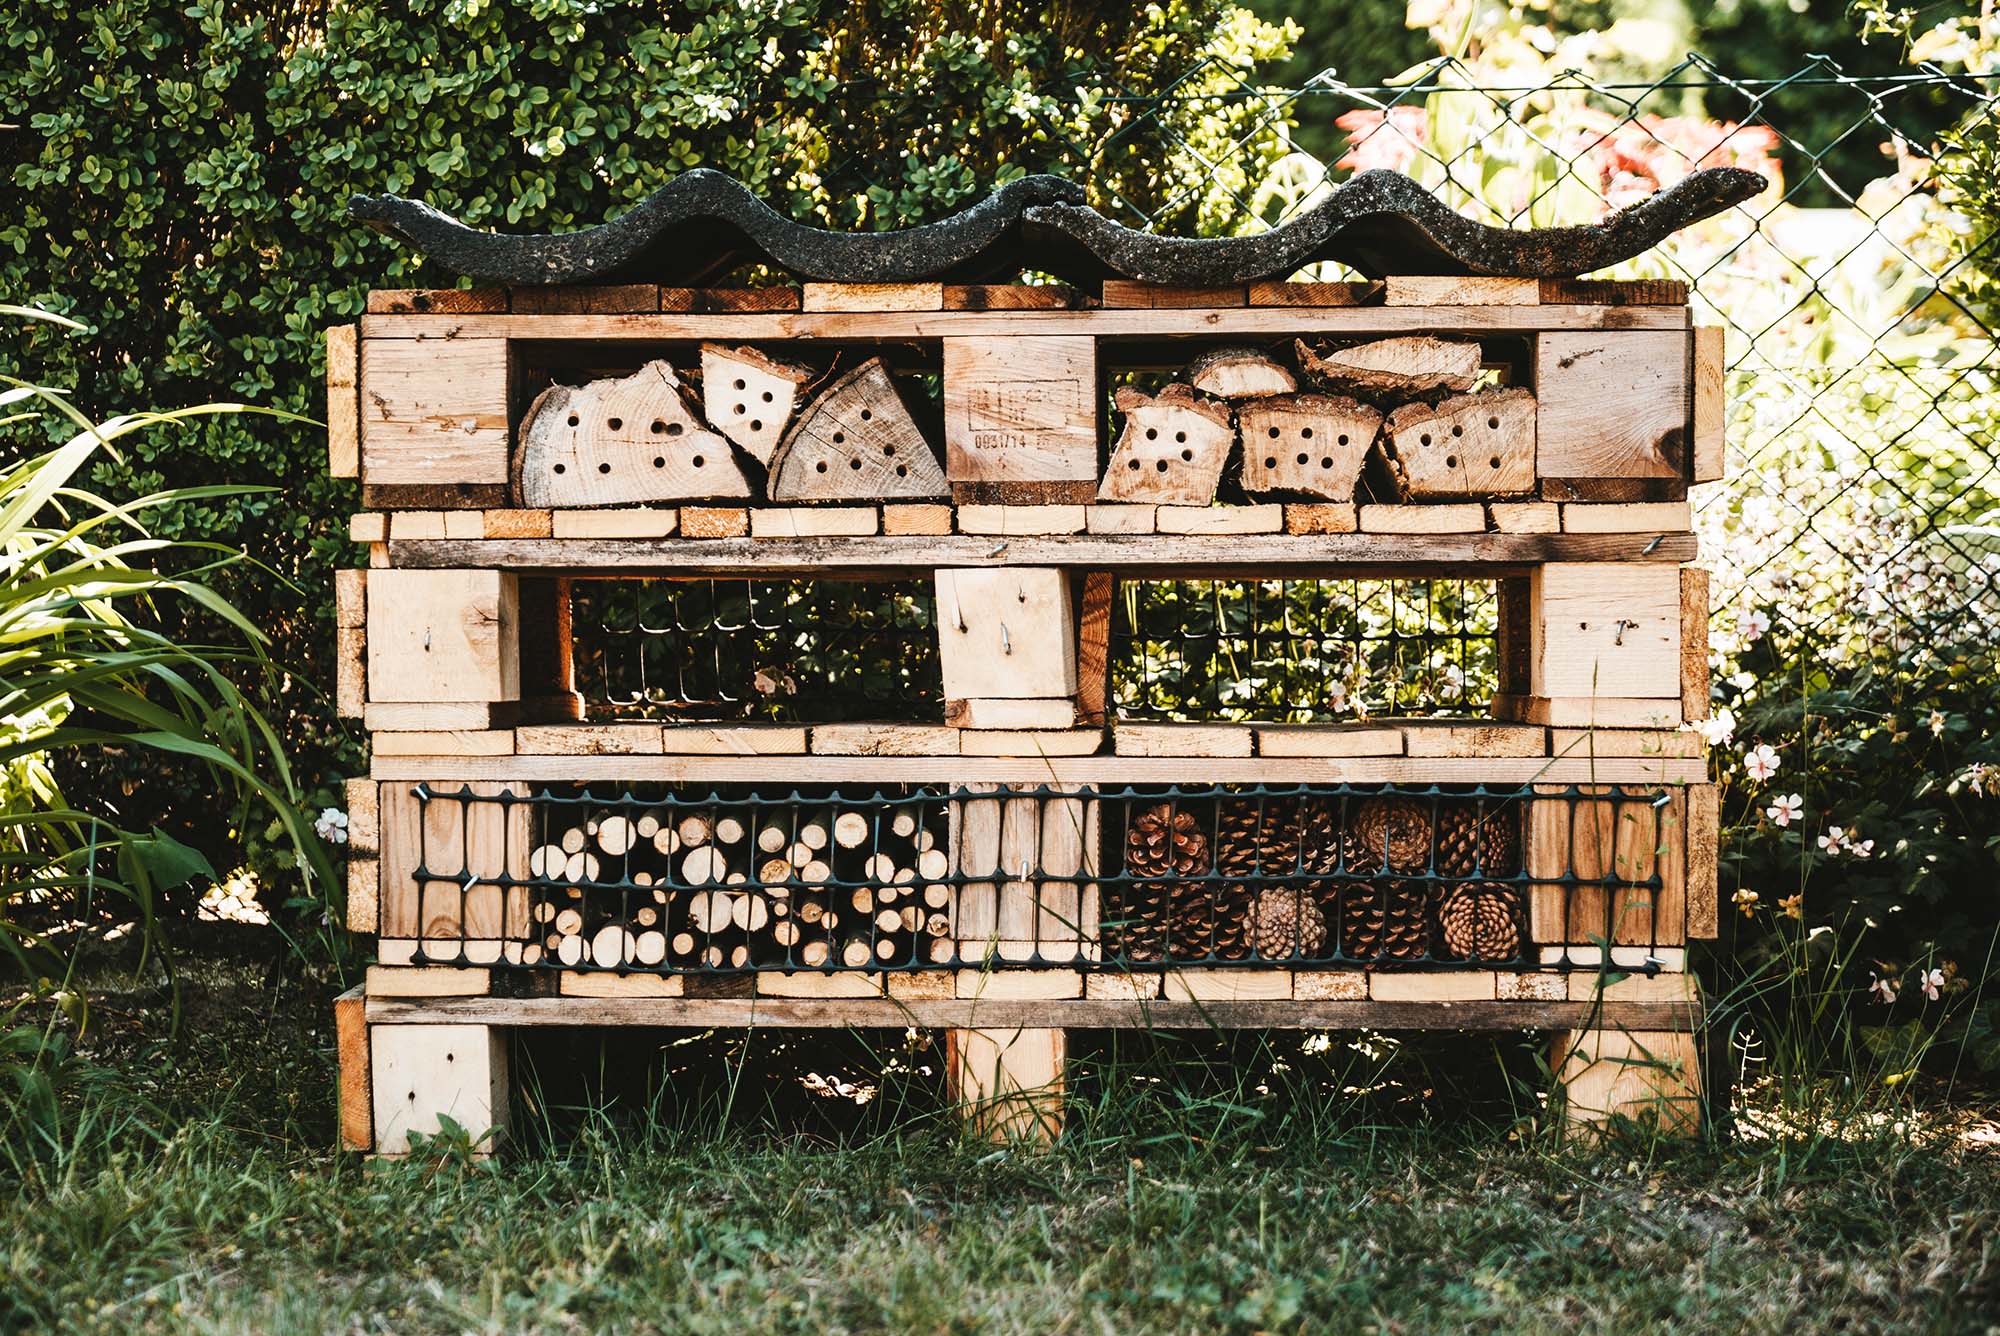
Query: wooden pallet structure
[[1026, 863]]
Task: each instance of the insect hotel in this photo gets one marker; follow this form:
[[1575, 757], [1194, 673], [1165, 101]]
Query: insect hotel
[[901, 644]]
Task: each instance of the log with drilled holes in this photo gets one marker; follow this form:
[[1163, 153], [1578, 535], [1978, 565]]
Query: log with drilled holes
[[1470, 446], [1171, 450], [621, 442], [856, 442], [1306, 445], [750, 397]]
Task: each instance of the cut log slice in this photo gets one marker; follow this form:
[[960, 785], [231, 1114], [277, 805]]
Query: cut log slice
[[1404, 367], [1171, 450], [856, 442], [750, 397], [621, 442], [1306, 445], [1473, 445], [1240, 373]]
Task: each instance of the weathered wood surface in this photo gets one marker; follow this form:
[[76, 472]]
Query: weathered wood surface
[[1473, 445], [1491, 553], [621, 442], [1240, 373], [1411, 365], [1020, 417], [1612, 406], [750, 396], [1306, 444], [1072, 1013], [1171, 449], [856, 442]]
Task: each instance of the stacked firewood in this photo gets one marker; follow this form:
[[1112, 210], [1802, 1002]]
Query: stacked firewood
[[1409, 410], [1378, 879], [646, 437], [730, 887]]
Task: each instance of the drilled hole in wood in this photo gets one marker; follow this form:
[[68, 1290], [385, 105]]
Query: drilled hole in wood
[[1187, 455], [616, 424], [820, 467], [737, 385], [1493, 462], [767, 396], [902, 470], [1457, 430], [604, 468], [888, 452], [1152, 433], [740, 409], [1161, 466], [854, 464], [659, 461], [756, 425], [1133, 465], [658, 426], [840, 438], [1305, 433], [1302, 456], [1274, 433], [573, 420], [1425, 438], [1451, 461], [698, 461], [867, 414], [1343, 438], [1493, 423], [675, 429], [1270, 461], [1326, 461], [559, 468]]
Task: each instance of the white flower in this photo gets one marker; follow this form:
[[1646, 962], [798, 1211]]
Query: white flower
[[1784, 810], [1761, 761], [1718, 728], [1932, 981], [1937, 723], [1833, 841], [331, 825], [1884, 989], [1755, 623], [1743, 681], [1975, 778], [1336, 695], [1863, 849]]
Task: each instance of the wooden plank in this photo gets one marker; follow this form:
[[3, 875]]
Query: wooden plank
[[614, 299], [437, 301], [350, 1034], [1615, 291], [588, 740], [884, 740], [1313, 519], [726, 301], [1126, 293], [1093, 647], [1612, 405], [1006, 634], [449, 716], [456, 742], [1587, 985], [1020, 411], [411, 525], [1011, 714], [1170, 448], [920, 519], [1630, 517], [733, 739], [1459, 290], [1530, 987], [637, 522], [464, 524], [1119, 519], [1016, 985], [1009, 1083], [933, 767], [1095, 1013], [814, 522], [873, 297], [1182, 739], [1444, 737], [434, 411], [468, 851], [1445, 986], [1612, 491], [428, 981], [368, 527], [1605, 630], [1710, 410], [1328, 740], [426, 1072], [1695, 685], [443, 636], [1121, 987], [1704, 840], [1011, 297], [1021, 521], [1623, 742], [839, 983], [1592, 712], [1219, 520], [1030, 742], [350, 642], [1468, 518], [1330, 986], [1267, 292], [606, 983], [515, 523], [1227, 985], [1525, 516], [714, 522], [1149, 324], [1651, 1077], [343, 402]]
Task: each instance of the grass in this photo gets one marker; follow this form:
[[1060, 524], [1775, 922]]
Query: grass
[[1204, 1187]]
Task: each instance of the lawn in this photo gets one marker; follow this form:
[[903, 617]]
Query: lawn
[[698, 1183]]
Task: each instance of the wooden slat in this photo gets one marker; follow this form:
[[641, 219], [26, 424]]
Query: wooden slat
[[1616, 291], [438, 301], [615, 300], [941, 767], [1704, 839], [1694, 643], [1011, 297], [1123, 292], [729, 301], [1612, 405], [350, 1033], [343, 404], [1093, 647], [874, 297], [1487, 554], [350, 642], [1292, 1013], [1020, 411], [1711, 405], [1270, 293], [1456, 290], [1101, 323]]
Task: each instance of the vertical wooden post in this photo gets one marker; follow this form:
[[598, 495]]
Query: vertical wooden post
[[1008, 1083], [350, 1031], [1093, 648], [1652, 1077], [423, 1073], [548, 661]]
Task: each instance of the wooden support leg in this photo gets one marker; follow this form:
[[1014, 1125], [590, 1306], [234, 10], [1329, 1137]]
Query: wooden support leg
[[1649, 1076], [1009, 1083], [350, 1031], [423, 1073]]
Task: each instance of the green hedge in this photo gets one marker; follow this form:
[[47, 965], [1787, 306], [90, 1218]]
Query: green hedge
[[181, 170]]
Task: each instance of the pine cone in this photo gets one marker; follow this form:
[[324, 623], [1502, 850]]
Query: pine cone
[[1478, 837], [1385, 920], [1288, 925], [1163, 841], [1253, 840], [1481, 921], [1389, 833]]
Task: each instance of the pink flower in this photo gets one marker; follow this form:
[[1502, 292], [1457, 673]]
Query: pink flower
[[1785, 810], [1717, 729], [1755, 623], [1863, 849], [1884, 989], [1761, 761], [1933, 980], [1833, 841]]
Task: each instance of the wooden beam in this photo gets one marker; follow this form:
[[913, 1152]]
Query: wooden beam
[[343, 403], [350, 1034]]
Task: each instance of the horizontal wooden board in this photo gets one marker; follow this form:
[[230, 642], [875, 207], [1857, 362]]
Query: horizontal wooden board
[[1114, 323], [1292, 1013], [952, 769], [1490, 553]]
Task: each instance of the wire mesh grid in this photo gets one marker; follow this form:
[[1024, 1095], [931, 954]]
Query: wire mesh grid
[[731, 882], [1303, 651], [817, 651]]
